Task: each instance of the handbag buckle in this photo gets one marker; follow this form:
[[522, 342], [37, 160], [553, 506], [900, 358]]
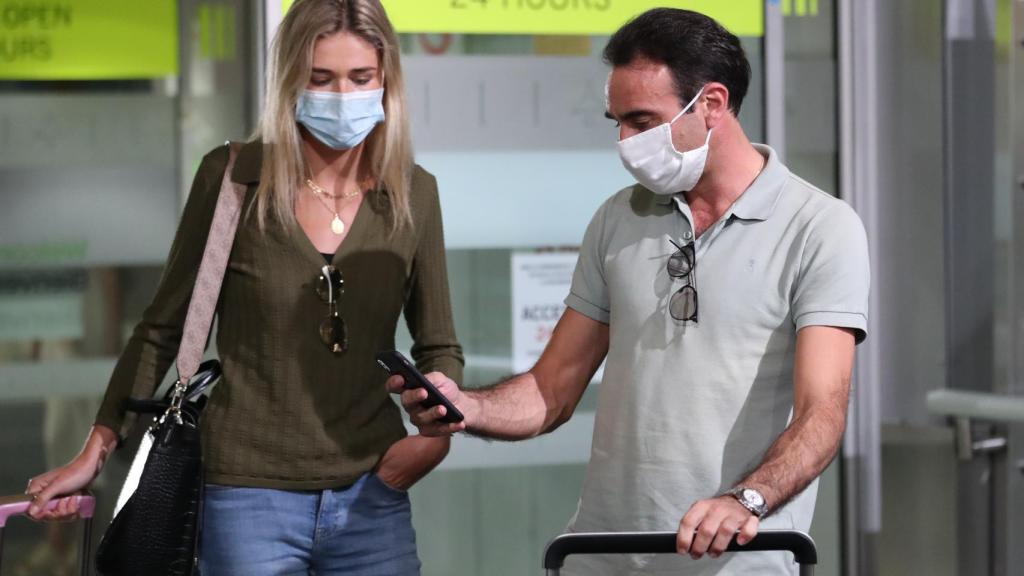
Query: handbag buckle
[[177, 398]]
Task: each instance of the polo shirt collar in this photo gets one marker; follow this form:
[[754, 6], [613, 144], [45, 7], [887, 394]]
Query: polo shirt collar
[[758, 202]]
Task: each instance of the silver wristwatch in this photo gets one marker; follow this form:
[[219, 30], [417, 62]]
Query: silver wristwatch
[[750, 499]]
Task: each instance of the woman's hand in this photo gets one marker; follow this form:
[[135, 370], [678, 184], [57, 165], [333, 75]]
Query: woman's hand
[[410, 459], [70, 478]]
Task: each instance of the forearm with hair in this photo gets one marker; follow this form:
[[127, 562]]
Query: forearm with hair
[[515, 409], [544, 398], [802, 452]]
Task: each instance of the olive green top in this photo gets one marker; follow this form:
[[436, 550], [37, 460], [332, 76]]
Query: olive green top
[[288, 413]]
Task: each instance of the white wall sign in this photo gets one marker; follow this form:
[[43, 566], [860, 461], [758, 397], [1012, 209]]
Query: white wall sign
[[540, 283]]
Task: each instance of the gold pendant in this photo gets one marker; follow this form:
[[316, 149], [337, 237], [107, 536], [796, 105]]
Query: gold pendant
[[337, 225]]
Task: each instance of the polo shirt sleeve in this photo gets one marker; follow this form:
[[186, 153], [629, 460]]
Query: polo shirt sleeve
[[834, 278], [589, 292]]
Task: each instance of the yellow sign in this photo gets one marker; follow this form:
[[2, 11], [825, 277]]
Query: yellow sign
[[1004, 27], [88, 39], [561, 17], [217, 37], [799, 7]]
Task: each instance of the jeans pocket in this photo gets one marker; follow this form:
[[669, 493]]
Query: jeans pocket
[[388, 487]]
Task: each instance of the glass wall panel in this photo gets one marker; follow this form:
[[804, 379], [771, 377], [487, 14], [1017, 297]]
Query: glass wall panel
[[512, 126], [514, 129], [93, 175]]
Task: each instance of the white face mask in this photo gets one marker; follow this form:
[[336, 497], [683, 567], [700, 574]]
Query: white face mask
[[654, 161]]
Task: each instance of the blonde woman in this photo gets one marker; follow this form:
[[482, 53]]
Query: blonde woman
[[306, 457]]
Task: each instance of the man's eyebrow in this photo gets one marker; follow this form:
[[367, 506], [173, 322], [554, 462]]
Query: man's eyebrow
[[632, 115]]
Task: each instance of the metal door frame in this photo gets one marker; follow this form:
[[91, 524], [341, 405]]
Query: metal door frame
[[1014, 470], [858, 184]]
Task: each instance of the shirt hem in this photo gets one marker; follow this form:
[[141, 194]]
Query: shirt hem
[[295, 484]]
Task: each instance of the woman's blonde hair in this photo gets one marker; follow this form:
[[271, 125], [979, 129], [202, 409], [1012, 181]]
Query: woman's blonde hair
[[388, 152]]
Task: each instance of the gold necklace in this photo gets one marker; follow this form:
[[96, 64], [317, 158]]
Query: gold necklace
[[337, 224], [318, 190]]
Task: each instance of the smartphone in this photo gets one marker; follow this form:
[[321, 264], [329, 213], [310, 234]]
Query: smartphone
[[395, 362]]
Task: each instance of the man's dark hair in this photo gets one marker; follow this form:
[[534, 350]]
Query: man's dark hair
[[696, 49]]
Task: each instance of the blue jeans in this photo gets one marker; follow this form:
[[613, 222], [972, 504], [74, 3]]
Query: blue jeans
[[362, 530]]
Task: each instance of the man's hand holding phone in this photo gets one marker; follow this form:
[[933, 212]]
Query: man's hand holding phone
[[429, 420], [434, 402]]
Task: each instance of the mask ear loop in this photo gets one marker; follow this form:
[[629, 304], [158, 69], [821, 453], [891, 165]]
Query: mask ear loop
[[688, 106], [683, 111]]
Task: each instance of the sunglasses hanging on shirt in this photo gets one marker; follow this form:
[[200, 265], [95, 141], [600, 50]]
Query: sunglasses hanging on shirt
[[682, 265], [329, 287]]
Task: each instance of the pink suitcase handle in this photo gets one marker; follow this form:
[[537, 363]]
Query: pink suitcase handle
[[18, 505]]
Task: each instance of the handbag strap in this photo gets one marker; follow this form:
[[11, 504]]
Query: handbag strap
[[206, 292]]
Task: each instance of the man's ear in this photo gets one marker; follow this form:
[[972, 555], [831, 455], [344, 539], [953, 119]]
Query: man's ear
[[716, 102]]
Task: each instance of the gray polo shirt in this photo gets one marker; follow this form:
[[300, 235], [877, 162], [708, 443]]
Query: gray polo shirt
[[686, 410]]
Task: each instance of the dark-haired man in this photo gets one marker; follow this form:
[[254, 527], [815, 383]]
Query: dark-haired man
[[727, 295]]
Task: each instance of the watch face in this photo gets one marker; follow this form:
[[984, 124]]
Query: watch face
[[753, 496]]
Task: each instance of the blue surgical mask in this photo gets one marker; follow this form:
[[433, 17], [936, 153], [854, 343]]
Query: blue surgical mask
[[341, 120]]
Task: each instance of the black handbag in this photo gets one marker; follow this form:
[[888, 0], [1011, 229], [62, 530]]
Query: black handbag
[[155, 530]]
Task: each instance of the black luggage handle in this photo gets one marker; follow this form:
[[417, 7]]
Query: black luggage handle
[[801, 545]]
